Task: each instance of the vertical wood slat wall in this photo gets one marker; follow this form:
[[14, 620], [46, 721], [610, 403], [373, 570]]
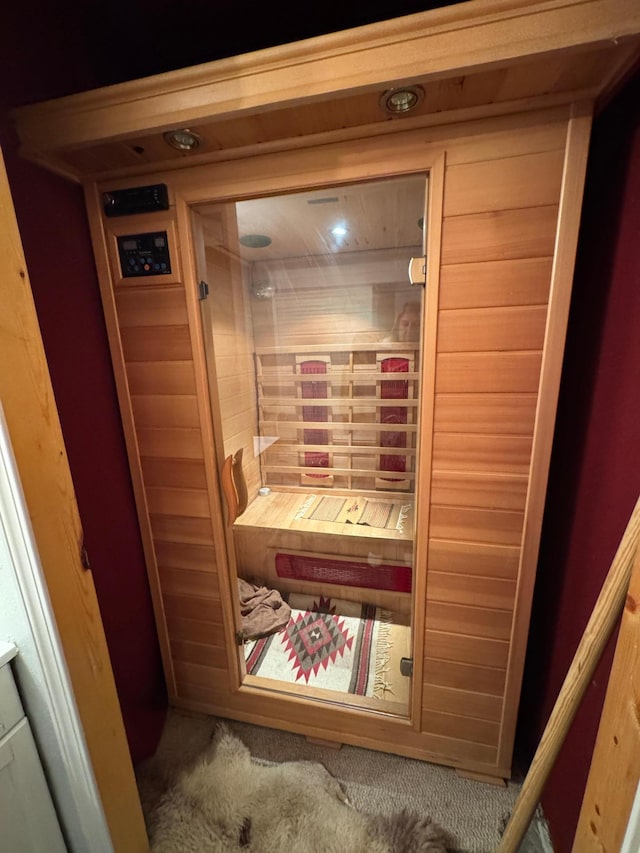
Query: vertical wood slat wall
[[499, 228], [159, 362]]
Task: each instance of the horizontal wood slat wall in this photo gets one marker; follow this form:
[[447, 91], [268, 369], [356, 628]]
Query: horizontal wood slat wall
[[159, 362], [497, 246], [487, 338], [355, 409]]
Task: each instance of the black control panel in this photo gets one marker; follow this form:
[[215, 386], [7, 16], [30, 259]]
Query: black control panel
[[136, 200], [144, 254]]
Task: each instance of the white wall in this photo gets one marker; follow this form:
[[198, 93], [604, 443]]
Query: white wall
[[40, 670]]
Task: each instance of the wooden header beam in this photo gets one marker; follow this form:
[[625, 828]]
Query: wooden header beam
[[440, 43]]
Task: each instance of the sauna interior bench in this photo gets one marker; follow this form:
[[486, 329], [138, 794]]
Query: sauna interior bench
[[277, 511], [268, 527]]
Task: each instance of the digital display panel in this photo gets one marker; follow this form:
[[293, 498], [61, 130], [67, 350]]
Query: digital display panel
[[144, 255]]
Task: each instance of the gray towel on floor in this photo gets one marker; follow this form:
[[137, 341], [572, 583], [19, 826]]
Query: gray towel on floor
[[263, 610]]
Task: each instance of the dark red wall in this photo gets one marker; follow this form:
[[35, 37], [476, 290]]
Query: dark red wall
[[51, 48], [595, 474], [38, 59]]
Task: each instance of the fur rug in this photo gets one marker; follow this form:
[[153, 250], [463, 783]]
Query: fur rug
[[228, 802]]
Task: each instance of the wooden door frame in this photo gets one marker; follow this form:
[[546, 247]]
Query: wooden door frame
[[43, 469], [371, 165]]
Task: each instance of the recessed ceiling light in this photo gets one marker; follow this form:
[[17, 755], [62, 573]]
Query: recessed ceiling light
[[183, 139], [401, 101], [255, 241], [339, 231]]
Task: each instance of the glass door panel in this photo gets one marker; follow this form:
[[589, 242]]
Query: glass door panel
[[314, 361]]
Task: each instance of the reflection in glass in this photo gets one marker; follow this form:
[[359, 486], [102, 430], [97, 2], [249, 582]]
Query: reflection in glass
[[315, 363]]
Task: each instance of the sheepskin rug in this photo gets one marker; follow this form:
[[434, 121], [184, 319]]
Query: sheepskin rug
[[227, 801]]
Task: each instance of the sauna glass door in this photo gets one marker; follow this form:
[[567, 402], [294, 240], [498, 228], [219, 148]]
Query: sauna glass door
[[314, 348]]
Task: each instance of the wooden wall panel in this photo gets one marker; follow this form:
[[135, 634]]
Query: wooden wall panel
[[460, 648], [170, 443], [469, 621], [193, 503], [470, 412], [474, 558], [499, 527], [159, 360], [189, 531], [490, 372], [498, 236], [183, 650], [187, 557], [615, 764], [229, 366], [194, 620], [499, 140], [336, 298], [524, 281], [463, 727], [472, 590], [156, 343], [501, 454], [217, 695], [192, 608], [462, 676], [488, 491], [181, 473], [200, 631], [228, 311], [157, 410], [198, 674], [166, 307], [161, 377], [462, 702], [527, 181], [501, 192], [492, 329], [188, 582]]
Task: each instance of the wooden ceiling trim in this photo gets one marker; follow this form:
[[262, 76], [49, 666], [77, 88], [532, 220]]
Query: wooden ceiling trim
[[464, 38], [108, 161], [489, 126]]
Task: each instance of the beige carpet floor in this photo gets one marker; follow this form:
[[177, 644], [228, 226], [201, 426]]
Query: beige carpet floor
[[473, 813]]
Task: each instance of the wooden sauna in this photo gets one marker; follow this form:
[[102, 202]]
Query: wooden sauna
[[214, 352]]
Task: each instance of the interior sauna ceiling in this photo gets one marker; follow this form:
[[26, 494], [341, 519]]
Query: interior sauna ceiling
[[374, 216]]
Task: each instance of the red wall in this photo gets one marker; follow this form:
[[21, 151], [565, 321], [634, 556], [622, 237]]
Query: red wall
[[38, 60], [595, 474], [50, 48]]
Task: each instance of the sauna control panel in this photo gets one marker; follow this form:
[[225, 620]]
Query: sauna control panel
[[144, 254]]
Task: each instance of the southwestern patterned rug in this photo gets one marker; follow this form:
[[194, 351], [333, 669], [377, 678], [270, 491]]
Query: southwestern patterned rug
[[336, 645]]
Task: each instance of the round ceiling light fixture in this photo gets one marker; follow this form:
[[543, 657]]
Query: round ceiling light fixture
[[182, 139], [401, 101]]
